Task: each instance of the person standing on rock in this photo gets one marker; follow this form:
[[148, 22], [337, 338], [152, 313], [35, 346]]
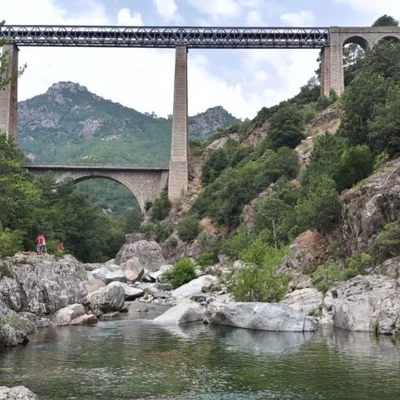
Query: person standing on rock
[[40, 243]]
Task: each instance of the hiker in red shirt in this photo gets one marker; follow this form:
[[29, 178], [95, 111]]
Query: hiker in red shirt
[[40, 243]]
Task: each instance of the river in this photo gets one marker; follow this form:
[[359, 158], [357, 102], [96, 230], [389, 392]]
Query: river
[[132, 358]]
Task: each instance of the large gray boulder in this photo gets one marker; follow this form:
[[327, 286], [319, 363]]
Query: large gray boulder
[[263, 316], [131, 292], [109, 273], [185, 311], [65, 315], [16, 393], [196, 287], [307, 301], [14, 329], [147, 252], [42, 285], [133, 269], [106, 299], [366, 303]]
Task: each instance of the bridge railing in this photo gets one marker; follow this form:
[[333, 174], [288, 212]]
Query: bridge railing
[[95, 166], [164, 36]]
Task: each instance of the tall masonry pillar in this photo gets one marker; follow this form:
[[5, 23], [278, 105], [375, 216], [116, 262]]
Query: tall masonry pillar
[[9, 93], [332, 76], [178, 166]]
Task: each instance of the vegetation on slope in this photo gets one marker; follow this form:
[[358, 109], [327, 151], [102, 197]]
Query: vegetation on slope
[[294, 200]]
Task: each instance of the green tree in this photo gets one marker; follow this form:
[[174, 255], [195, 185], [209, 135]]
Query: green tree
[[359, 101], [356, 163], [319, 209], [259, 280], [386, 20], [188, 227], [161, 207], [384, 129], [286, 127], [18, 193]]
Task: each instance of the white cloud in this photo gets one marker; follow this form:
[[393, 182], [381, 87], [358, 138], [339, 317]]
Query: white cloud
[[217, 9], [166, 9], [373, 9], [299, 18], [254, 18], [129, 18]]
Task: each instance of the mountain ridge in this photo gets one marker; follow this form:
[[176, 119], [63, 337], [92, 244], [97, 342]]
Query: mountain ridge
[[89, 128]]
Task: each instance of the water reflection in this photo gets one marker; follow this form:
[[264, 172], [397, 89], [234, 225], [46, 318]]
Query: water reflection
[[363, 344], [262, 342], [133, 358]]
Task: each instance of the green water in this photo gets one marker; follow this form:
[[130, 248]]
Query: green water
[[131, 358]]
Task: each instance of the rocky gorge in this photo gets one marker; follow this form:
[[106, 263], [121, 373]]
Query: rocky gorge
[[41, 292]]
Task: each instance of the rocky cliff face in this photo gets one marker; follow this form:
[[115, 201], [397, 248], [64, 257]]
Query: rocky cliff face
[[202, 124], [368, 207]]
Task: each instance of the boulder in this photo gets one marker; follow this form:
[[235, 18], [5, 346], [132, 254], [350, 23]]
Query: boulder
[[185, 311], [86, 319], [366, 303], [109, 273], [43, 285], [133, 269], [65, 315], [148, 253], [196, 287], [94, 284], [157, 275], [16, 393], [131, 292], [106, 299], [263, 316], [308, 301]]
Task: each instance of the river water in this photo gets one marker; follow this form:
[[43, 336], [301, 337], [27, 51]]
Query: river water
[[132, 358]]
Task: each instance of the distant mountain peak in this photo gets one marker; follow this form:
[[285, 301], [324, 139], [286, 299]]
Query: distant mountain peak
[[209, 121], [66, 85]]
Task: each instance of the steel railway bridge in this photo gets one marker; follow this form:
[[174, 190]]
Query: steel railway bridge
[[330, 40]]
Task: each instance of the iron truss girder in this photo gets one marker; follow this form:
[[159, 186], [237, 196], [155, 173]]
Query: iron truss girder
[[165, 37]]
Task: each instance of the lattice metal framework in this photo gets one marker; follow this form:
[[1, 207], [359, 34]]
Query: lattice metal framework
[[165, 37]]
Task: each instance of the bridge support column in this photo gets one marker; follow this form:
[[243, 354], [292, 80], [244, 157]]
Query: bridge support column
[[9, 93], [178, 166], [332, 76]]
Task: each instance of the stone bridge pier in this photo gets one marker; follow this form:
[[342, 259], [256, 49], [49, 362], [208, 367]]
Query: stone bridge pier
[[9, 93], [145, 185], [332, 74]]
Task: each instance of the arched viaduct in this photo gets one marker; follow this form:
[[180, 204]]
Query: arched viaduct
[[329, 40], [144, 182]]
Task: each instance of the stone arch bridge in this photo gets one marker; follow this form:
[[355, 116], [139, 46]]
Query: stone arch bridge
[[145, 182]]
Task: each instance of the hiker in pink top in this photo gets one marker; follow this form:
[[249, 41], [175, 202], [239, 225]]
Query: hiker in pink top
[[40, 243]]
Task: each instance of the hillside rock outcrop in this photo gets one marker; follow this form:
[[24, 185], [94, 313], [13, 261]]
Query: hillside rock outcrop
[[367, 207]]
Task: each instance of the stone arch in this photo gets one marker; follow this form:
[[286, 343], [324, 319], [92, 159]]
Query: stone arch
[[390, 37], [136, 193], [358, 39], [110, 178]]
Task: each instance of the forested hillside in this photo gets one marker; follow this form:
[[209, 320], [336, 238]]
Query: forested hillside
[[258, 196]]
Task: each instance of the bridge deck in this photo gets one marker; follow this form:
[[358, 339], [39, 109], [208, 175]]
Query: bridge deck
[[94, 167], [164, 37]]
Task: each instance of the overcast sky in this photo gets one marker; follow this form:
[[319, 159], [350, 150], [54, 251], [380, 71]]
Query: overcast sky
[[242, 81]]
